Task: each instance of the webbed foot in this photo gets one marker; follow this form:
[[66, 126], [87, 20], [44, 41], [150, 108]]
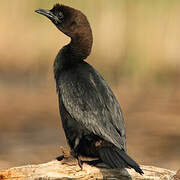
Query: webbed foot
[[60, 158]]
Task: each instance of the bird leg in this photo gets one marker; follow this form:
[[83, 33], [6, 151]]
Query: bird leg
[[75, 154], [80, 163]]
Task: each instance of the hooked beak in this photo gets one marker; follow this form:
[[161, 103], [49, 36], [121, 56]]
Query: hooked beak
[[48, 14]]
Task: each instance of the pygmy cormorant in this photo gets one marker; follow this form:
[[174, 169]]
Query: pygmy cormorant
[[90, 114]]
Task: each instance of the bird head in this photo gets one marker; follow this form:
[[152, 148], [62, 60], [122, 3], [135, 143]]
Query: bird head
[[70, 21]]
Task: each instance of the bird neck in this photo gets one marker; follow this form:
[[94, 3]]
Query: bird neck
[[76, 51], [80, 46]]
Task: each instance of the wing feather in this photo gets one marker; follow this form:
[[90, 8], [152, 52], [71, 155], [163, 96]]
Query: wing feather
[[90, 101]]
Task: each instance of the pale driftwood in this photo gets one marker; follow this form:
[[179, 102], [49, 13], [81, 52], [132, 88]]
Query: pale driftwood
[[59, 170]]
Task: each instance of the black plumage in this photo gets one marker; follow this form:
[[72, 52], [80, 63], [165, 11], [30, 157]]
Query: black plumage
[[90, 114]]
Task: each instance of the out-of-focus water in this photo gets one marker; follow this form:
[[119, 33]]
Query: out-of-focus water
[[136, 48]]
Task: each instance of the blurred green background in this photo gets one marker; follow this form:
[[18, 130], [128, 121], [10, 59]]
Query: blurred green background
[[136, 49]]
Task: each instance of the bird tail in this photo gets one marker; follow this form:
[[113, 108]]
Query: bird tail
[[117, 158]]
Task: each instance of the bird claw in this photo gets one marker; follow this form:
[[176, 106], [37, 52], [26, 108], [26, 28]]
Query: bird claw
[[80, 163]]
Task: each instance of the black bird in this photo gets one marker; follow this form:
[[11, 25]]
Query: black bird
[[90, 114]]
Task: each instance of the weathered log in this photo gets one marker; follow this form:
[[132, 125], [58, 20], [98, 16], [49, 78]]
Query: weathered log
[[60, 170]]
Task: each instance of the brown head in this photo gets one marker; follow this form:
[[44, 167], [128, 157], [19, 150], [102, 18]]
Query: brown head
[[74, 24]]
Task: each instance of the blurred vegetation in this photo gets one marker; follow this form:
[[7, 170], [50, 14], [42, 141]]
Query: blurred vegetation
[[137, 50]]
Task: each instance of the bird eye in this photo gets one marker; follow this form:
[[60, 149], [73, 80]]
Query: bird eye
[[61, 16]]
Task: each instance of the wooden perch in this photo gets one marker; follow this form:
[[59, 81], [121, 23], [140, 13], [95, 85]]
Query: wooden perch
[[59, 170]]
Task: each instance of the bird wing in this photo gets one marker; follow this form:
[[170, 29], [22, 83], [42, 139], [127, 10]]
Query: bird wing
[[90, 101]]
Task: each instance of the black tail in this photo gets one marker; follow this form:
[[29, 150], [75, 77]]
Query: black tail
[[117, 158]]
